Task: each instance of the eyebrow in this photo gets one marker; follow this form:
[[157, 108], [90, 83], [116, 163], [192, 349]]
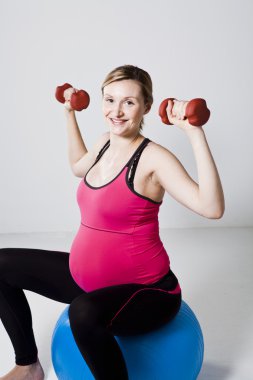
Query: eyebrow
[[126, 97]]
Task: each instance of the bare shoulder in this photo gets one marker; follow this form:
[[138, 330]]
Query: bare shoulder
[[156, 149], [168, 172], [155, 153], [99, 145], [156, 156], [81, 167], [101, 142]]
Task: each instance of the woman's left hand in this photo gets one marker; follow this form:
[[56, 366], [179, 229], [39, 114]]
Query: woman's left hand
[[176, 115]]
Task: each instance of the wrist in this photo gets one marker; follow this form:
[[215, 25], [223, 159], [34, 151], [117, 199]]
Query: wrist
[[196, 136], [69, 112], [194, 131]]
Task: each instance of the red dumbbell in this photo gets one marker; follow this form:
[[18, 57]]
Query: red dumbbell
[[79, 100], [196, 112]]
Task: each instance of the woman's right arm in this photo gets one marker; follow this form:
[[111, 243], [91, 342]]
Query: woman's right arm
[[80, 158], [76, 145]]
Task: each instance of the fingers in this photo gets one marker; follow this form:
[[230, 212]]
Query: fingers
[[68, 92], [176, 113], [179, 109], [170, 111], [67, 95], [67, 105], [176, 110]]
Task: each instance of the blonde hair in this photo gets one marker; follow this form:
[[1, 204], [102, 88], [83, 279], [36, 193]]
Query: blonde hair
[[135, 73]]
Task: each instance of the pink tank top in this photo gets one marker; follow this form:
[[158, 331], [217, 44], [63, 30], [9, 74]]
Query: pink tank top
[[118, 239]]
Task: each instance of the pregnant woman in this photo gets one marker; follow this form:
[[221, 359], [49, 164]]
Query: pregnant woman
[[117, 276]]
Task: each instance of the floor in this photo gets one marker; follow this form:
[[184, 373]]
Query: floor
[[215, 269]]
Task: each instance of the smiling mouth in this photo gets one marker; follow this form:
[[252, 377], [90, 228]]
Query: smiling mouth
[[118, 121]]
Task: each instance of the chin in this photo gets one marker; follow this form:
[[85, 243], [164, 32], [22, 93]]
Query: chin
[[117, 130]]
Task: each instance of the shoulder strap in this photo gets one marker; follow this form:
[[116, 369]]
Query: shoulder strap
[[102, 150], [134, 162]]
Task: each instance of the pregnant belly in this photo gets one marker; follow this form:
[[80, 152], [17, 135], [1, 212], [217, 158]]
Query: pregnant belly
[[100, 258]]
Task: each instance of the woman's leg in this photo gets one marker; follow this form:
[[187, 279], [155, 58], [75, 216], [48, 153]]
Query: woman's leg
[[40, 271], [127, 309], [95, 317]]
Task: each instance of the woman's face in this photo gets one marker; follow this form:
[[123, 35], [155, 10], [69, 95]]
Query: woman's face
[[123, 106]]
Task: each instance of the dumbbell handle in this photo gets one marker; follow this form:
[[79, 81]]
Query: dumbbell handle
[[195, 111], [79, 100]]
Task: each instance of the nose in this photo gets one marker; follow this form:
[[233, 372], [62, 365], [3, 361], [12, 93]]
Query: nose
[[118, 110]]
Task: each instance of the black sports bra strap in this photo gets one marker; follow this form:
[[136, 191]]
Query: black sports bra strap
[[101, 152], [134, 162]]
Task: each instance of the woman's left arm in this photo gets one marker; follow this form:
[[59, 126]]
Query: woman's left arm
[[210, 189], [205, 197]]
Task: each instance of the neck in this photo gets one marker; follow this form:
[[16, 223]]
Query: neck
[[119, 145]]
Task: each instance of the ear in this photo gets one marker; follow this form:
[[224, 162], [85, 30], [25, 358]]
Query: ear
[[147, 108]]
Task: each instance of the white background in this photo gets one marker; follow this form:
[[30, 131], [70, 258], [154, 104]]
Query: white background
[[191, 49]]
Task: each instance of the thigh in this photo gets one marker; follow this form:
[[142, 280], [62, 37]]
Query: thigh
[[147, 310], [130, 309], [41, 271]]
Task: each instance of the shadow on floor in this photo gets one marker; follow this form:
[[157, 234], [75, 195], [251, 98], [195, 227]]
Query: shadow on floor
[[214, 371]]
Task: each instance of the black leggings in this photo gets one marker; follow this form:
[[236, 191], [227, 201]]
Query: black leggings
[[95, 317]]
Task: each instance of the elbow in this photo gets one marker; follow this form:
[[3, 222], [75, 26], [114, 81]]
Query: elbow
[[74, 172], [221, 213], [214, 210], [216, 214]]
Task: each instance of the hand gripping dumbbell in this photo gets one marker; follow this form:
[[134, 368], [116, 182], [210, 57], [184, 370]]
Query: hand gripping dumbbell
[[79, 100], [196, 111]]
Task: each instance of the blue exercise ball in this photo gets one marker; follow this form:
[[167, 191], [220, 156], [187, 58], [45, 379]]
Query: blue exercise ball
[[173, 352]]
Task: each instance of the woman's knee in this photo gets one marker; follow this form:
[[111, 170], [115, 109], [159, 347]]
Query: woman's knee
[[83, 315], [5, 261]]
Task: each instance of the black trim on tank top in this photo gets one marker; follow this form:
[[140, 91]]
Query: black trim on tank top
[[130, 181], [106, 146], [131, 165], [101, 152]]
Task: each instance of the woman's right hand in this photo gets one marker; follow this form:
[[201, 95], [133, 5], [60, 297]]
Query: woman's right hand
[[67, 95]]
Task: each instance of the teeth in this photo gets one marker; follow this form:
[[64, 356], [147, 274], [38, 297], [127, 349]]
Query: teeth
[[118, 121]]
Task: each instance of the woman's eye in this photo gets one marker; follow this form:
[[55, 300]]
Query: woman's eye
[[129, 102]]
